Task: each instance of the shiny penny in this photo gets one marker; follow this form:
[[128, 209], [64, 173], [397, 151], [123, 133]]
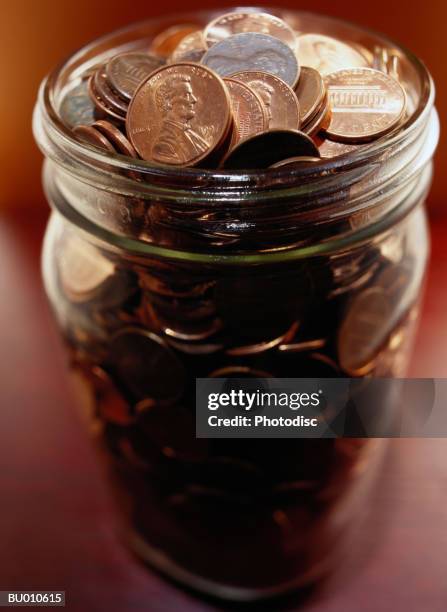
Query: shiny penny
[[101, 105], [165, 42], [252, 51], [248, 111], [330, 148], [242, 22], [190, 49], [92, 136], [310, 92], [171, 120], [104, 91], [283, 109], [127, 70], [117, 138], [320, 121], [264, 150], [327, 54], [365, 104]]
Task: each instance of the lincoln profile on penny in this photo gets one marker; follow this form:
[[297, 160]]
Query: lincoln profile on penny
[[177, 142]]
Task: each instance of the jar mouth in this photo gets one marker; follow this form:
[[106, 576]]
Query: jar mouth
[[58, 135]]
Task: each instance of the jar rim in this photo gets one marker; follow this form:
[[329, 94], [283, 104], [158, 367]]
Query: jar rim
[[321, 195]]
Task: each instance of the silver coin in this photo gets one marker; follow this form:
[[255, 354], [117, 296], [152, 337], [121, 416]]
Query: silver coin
[[249, 21], [253, 51], [77, 107]]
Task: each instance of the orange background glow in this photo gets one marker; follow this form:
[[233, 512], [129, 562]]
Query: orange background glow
[[34, 36]]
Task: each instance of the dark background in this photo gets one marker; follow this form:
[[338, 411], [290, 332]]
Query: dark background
[[56, 527]]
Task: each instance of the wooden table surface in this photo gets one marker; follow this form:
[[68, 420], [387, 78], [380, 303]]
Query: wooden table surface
[[56, 525]]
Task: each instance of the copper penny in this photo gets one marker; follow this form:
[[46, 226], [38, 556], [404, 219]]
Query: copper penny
[[330, 148], [310, 92], [117, 138], [145, 366], [283, 109], [296, 161], [327, 54], [190, 49], [253, 51], [92, 136], [320, 121], [365, 104], [171, 119], [165, 42], [248, 111], [83, 271], [101, 105], [363, 330], [242, 22], [265, 149], [126, 71], [105, 92]]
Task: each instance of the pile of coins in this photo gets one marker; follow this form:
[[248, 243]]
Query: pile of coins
[[247, 91]]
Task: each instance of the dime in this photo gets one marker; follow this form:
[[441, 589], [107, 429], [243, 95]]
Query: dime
[[251, 51], [327, 54], [310, 92], [165, 42], [145, 366], [92, 136], [117, 138], [248, 111], [190, 49], [279, 99], [126, 71], [171, 119], [238, 23], [264, 150], [361, 333], [295, 161], [76, 107], [365, 104]]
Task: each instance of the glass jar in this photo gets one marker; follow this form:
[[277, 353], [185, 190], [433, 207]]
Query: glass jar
[[158, 276]]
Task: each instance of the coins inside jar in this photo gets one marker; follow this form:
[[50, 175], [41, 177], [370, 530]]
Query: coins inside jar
[[126, 71], [251, 51], [250, 116], [280, 101], [264, 150], [365, 104], [242, 22], [178, 111], [169, 119]]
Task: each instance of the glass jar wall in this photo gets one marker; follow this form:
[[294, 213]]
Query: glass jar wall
[[160, 276]]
